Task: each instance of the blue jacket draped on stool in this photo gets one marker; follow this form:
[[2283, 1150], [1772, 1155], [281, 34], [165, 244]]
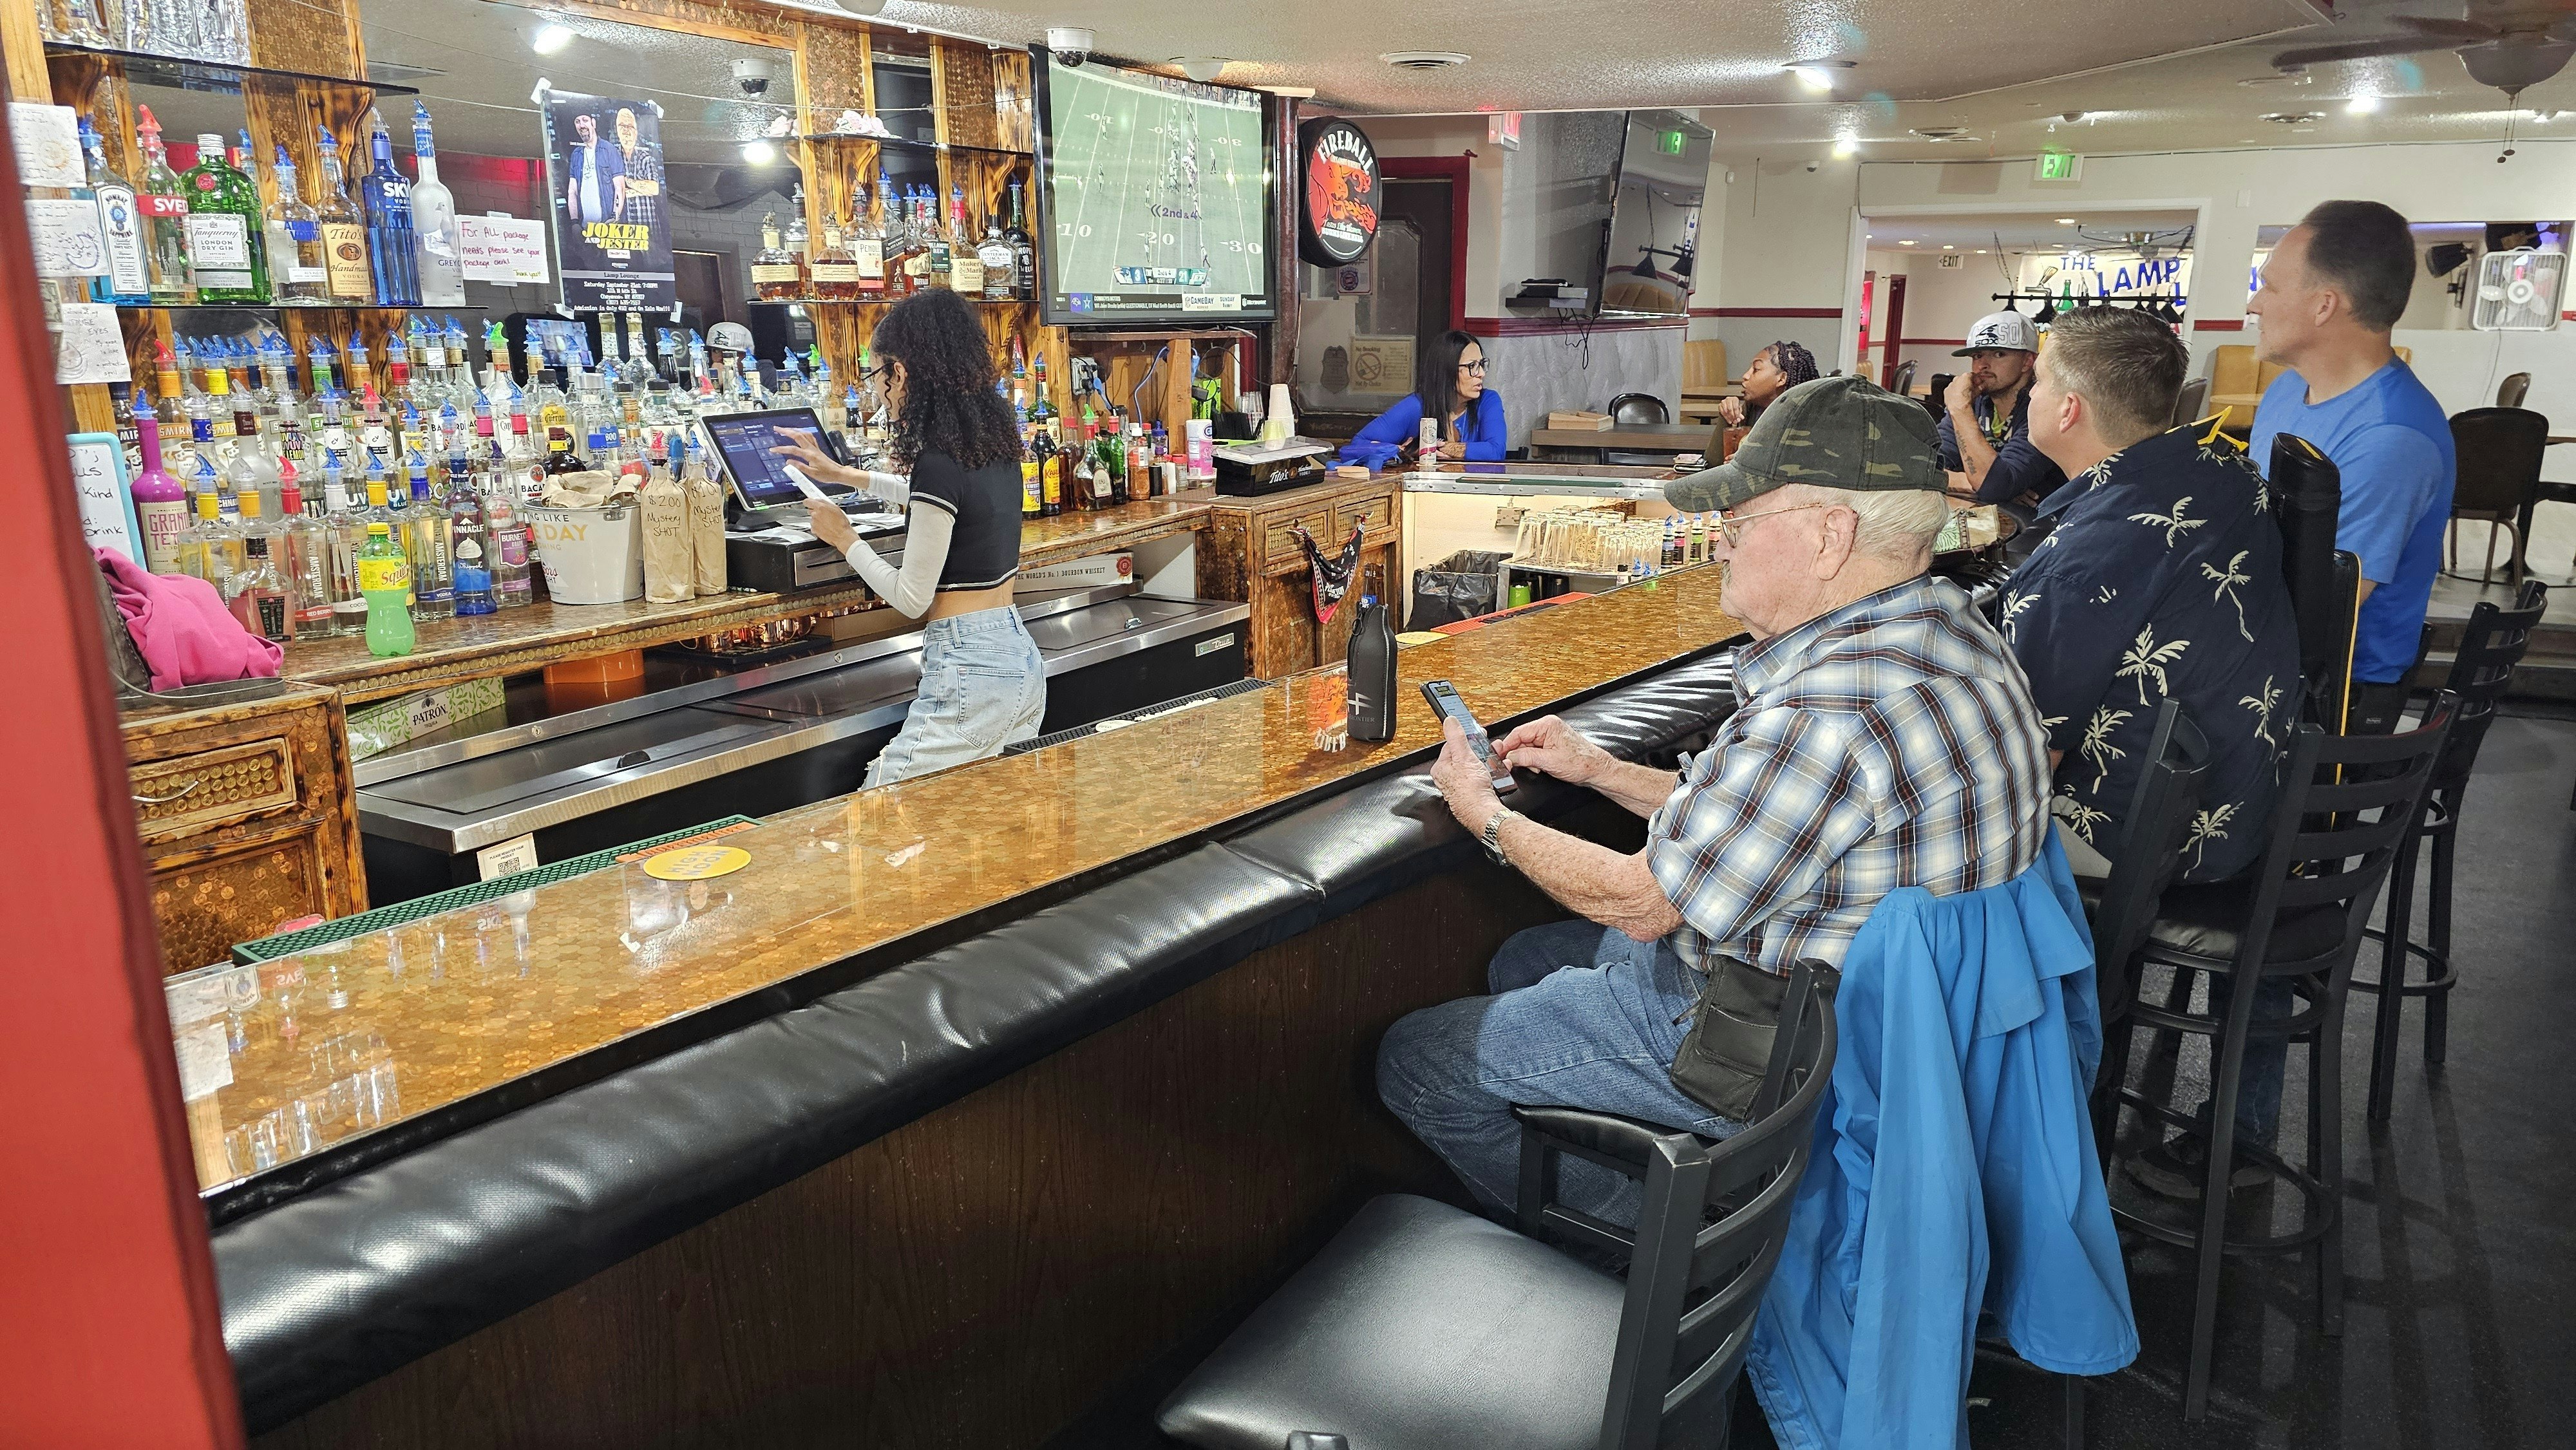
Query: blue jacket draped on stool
[[1970, 1036]]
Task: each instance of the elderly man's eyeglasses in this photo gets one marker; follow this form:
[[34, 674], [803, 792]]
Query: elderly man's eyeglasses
[[1477, 367], [1731, 526]]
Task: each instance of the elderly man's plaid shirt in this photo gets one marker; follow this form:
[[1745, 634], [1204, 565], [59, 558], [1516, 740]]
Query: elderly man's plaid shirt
[[1889, 743]]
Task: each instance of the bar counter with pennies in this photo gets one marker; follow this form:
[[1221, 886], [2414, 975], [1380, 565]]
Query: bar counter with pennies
[[915, 1115]]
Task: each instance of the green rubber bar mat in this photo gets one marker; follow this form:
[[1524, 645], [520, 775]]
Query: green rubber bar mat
[[287, 944]]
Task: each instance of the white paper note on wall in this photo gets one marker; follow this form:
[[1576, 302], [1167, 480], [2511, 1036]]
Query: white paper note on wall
[[503, 250], [66, 239], [91, 346], [47, 139]]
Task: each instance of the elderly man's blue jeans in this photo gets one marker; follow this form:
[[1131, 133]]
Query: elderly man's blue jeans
[[1581, 1017]]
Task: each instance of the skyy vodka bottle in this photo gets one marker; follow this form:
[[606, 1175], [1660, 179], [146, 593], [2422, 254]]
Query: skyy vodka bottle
[[384, 196]]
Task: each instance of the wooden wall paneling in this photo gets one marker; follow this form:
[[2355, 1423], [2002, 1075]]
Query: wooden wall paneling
[[1014, 102], [832, 73], [22, 44], [979, 1277]]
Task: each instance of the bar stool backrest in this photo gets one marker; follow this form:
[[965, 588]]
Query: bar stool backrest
[[2499, 452], [2192, 403], [1693, 1285], [2514, 388], [2348, 801], [2307, 504], [2149, 854], [1904, 381], [2493, 644]]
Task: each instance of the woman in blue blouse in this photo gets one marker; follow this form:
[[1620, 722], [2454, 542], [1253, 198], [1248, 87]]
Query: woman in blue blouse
[[1450, 386]]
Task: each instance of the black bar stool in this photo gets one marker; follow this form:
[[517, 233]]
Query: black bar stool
[[2125, 903], [2493, 645], [2300, 915]]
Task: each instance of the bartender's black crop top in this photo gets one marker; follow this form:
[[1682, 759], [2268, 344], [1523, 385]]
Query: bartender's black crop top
[[984, 551]]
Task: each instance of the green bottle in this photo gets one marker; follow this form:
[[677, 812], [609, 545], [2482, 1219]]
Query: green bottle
[[384, 577], [226, 247]]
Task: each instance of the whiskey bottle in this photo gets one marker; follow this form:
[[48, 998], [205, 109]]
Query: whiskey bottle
[[1024, 255], [775, 277], [836, 272], [965, 264], [867, 244]]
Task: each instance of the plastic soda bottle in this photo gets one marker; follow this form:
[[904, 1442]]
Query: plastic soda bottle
[[384, 577]]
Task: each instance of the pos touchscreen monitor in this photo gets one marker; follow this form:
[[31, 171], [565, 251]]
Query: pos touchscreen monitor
[[757, 476]]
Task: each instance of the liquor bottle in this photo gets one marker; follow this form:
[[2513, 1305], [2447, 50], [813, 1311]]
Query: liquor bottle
[[1140, 465], [210, 421], [941, 243], [995, 253], [965, 264], [472, 538], [384, 198], [800, 239], [1050, 472], [256, 595], [836, 272], [706, 520], [226, 254], [165, 218], [160, 504], [211, 549], [299, 268], [433, 219], [867, 244], [1372, 664], [1024, 255], [302, 552], [254, 467], [915, 245], [127, 280], [775, 277], [433, 548], [384, 579], [351, 280]]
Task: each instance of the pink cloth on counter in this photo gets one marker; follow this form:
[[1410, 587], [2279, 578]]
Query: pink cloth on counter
[[182, 630]]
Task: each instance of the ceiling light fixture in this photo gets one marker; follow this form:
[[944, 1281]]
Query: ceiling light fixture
[[550, 38], [1949, 246], [759, 153], [1906, 243], [1816, 75], [1423, 59], [1201, 68], [1846, 145], [2361, 105], [2066, 221]]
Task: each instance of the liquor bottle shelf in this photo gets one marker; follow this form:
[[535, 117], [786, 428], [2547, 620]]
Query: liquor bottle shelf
[[926, 148], [143, 67], [878, 301], [295, 307]]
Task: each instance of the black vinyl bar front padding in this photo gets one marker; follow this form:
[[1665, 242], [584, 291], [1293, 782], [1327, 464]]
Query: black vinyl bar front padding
[[365, 1274]]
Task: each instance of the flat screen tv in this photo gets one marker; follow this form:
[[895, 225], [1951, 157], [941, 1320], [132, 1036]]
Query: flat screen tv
[[1652, 237], [1156, 198]]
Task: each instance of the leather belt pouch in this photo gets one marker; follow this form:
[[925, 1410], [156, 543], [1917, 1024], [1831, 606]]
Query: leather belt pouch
[[1722, 1059]]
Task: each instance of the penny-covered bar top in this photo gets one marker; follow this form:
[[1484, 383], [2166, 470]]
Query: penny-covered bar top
[[428, 1020], [395, 1116]]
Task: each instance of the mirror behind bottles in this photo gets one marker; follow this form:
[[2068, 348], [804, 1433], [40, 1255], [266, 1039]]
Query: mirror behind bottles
[[714, 159]]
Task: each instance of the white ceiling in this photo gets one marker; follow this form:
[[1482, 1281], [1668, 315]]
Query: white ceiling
[[1969, 232], [2151, 74]]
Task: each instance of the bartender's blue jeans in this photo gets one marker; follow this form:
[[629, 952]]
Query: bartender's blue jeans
[[1581, 1017], [983, 686]]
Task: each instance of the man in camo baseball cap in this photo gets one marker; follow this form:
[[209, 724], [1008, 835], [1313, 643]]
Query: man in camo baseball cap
[[1838, 432]]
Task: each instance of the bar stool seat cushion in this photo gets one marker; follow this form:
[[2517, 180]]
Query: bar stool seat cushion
[[2207, 920], [1420, 1327]]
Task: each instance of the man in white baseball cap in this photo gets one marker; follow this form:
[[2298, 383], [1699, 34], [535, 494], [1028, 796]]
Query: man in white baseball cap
[[1985, 416]]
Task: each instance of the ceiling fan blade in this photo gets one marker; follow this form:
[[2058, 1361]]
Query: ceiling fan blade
[[2354, 50], [2455, 32]]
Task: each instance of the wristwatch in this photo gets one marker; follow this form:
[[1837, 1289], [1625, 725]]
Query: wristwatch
[[1492, 835]]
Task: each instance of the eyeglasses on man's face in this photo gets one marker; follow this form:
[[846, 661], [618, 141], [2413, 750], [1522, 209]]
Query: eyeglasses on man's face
[[1731, 526]]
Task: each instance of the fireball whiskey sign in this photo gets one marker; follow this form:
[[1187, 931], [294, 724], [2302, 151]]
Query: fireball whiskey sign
[[1339, 167]]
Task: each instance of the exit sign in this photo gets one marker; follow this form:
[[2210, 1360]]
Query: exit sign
[[1672, 143], [2059, 166]]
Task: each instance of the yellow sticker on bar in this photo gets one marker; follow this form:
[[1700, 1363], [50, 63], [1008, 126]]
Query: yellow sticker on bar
[[696, 863]]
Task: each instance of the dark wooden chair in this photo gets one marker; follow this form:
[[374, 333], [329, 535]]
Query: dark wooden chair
[[2499, 452]]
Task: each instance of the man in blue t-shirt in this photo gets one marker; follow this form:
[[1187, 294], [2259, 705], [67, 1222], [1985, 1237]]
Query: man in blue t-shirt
[[2331, 291]]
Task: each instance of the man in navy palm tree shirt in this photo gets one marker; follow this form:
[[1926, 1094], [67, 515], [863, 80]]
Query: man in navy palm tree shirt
[[2331, 291]]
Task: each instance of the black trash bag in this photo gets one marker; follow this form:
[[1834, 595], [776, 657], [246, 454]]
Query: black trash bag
[[1464, 585]]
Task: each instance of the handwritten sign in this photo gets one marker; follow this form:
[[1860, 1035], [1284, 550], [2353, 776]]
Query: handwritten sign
[[90, 347], [503, 250], [106, 509], [66, 238], [48, 142]]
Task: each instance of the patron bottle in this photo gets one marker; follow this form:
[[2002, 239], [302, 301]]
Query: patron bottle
[[1372, 665]]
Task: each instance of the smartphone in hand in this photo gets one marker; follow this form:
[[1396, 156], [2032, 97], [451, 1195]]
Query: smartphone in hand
[[1446, 703]]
